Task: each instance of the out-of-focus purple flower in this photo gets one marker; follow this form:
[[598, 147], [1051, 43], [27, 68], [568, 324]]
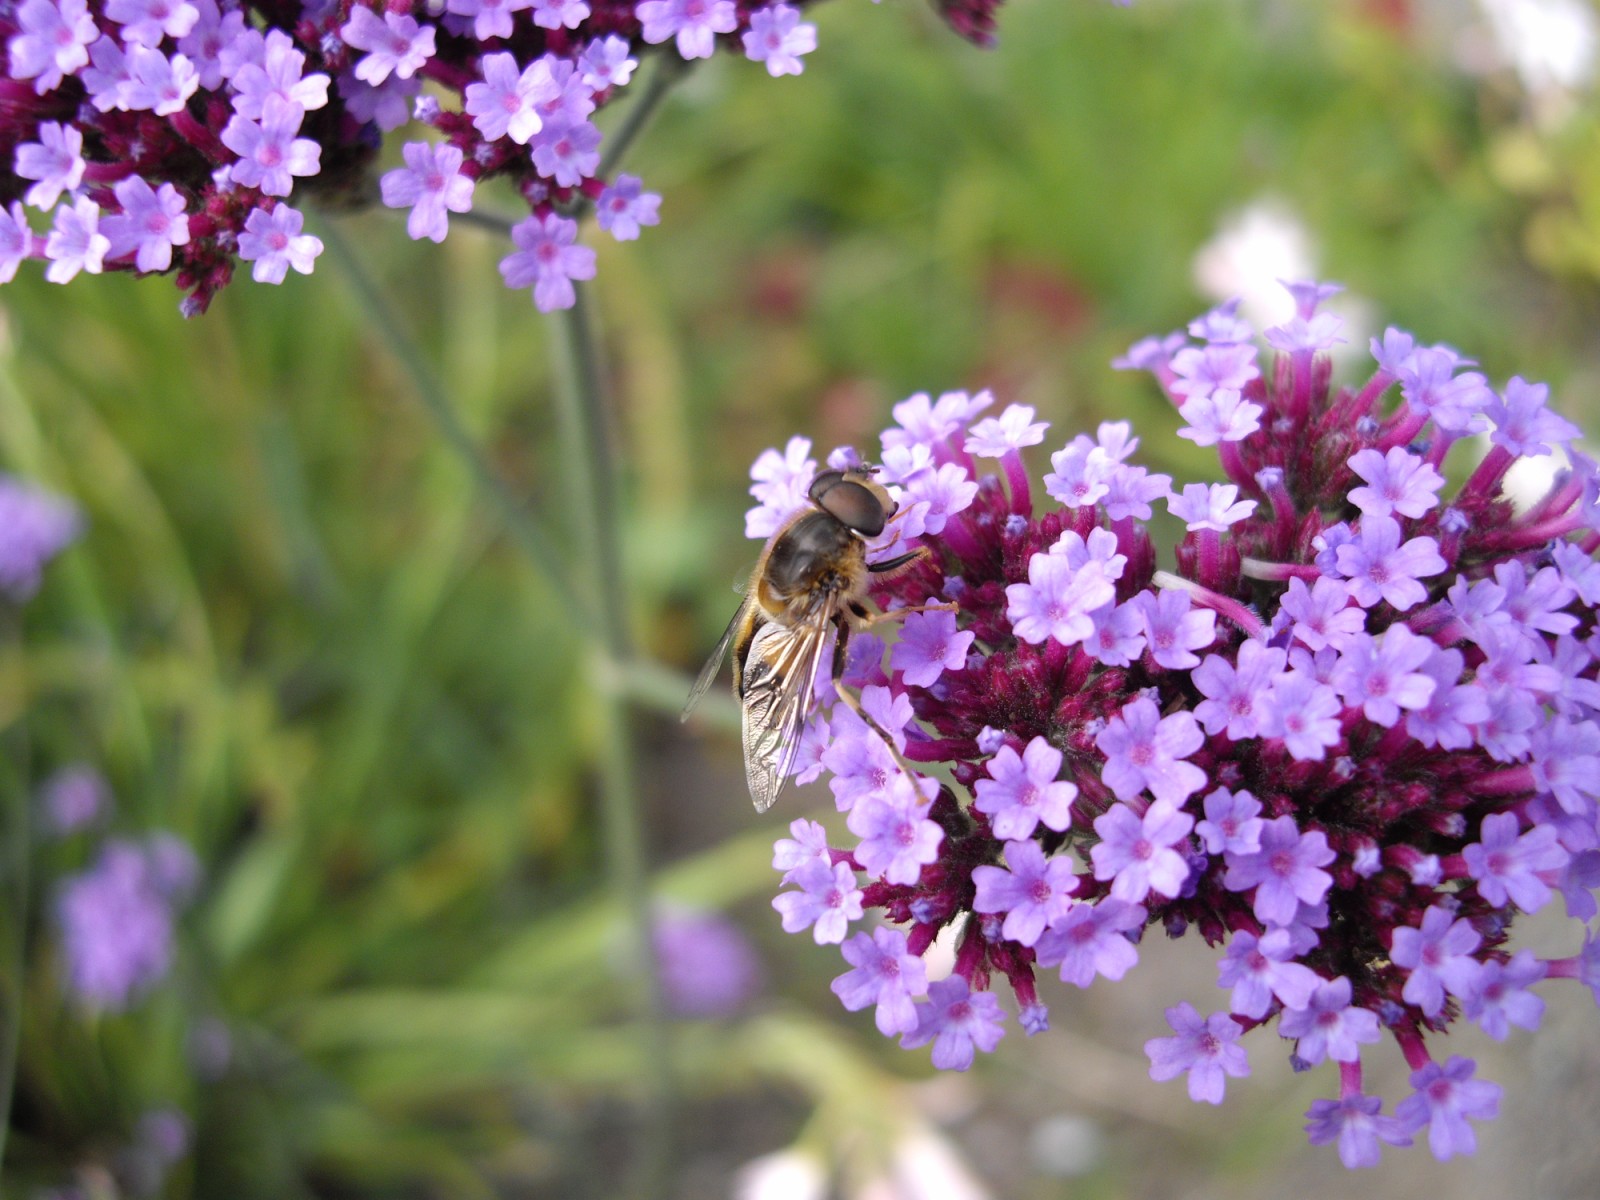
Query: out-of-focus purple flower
[[708, 967], [34, 527], [73, 799], [624, 206], [778, 37], [116, 921]]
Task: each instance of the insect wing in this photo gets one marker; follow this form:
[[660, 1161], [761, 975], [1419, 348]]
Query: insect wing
[[779, 681], [702, 682]]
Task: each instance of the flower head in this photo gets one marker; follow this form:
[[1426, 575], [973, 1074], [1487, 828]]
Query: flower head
[[1348, 739]]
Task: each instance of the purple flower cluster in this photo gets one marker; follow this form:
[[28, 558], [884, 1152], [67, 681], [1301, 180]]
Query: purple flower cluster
[[1347, 740], [172, 135], [34, 527], [116, 918]]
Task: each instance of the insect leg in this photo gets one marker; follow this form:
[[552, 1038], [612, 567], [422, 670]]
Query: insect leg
[[895, 614], [894, 564], [854, 702], [849, 697]]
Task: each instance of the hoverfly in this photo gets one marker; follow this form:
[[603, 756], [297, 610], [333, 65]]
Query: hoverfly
[[812, 576]]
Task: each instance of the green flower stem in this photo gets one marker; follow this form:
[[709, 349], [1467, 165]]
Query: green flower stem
[[531, 539], [592, 503], [669, 69], [17, 834], [597, 602]]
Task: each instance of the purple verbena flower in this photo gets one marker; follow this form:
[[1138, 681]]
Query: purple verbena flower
[[624, 206], [273, 241], [825, 901], [1396, 482], [884, 974], [1443, 1099], [1261, 970], [1143, 750], [1379, 568], [548, 259], [1206, 1048], [778, 37], [150, 224], [1438, 956], [693, 24], [957, 1021], [1138, 853], [1357, 1124], [1022, 791], [1499, 995], [52, 41], [395, 44], [432, 186], [1327, 1025], [1286, 871], [55, 162], [1031, 890]]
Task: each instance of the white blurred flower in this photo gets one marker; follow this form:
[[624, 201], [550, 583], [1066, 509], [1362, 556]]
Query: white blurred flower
[[791, 1174], [1550, 44], [924, 1166], [1258, 248], [1255, 247]]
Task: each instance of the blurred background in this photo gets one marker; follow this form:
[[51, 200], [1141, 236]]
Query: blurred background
[[296, 635]]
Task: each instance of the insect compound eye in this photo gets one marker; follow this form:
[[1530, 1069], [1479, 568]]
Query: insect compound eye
[[854, 506], [822, 483]]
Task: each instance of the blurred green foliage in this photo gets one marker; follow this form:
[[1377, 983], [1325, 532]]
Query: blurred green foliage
[[295, 635]]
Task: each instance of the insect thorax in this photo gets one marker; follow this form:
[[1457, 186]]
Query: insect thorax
[[816, 553]]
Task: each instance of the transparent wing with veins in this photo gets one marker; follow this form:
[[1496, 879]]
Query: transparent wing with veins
[[779, 684]]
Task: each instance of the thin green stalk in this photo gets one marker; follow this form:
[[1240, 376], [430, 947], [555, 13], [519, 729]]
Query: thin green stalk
[[580, 397], [531, 539], [669, 69], [18, 834]]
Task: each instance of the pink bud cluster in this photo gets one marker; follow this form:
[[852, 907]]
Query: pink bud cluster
[[1347, 740]]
